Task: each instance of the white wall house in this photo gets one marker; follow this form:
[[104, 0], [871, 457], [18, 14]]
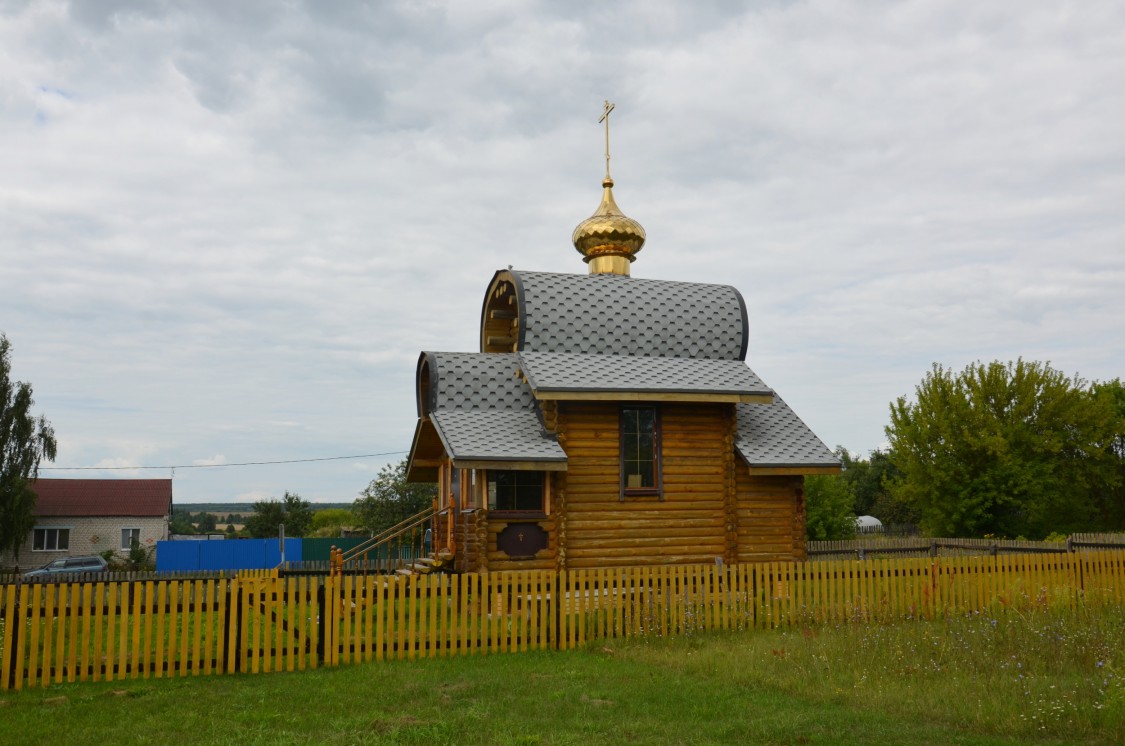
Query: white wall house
[[88, 516]]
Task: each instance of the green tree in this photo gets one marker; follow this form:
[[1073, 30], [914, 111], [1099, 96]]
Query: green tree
[[24, 441], [828, 508], [1009, 450], [181, 522], [389, 499], [291, 510], [330, 521], [870, 480], [1109, 492], [207, 523]]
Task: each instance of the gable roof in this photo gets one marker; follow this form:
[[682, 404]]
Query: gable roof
[[772, 436], [480, 411], [613, 314], [135, 498], [478, 439]]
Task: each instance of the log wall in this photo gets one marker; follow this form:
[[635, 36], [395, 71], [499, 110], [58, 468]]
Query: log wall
[[771, 517], [687, 526], [468, 538], [712, 507]]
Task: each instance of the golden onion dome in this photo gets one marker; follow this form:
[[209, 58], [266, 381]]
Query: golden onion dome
[[608, 240]]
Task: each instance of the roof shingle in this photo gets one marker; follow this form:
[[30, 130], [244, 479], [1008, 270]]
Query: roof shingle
[[103, 497], [772, 435], [611, 314], [495, 436], [562, 372], [471, 381]]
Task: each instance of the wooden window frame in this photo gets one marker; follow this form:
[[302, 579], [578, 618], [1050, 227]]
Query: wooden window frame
[[657, 490], [544, 506]]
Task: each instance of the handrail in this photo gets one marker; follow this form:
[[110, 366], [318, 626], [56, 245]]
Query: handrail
[[391, 533]]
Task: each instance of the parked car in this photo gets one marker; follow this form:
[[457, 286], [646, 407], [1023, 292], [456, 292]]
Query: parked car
[[68, 565]]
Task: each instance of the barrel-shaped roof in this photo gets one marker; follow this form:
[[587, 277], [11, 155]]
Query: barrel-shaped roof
[[472, 381], [620, 315]]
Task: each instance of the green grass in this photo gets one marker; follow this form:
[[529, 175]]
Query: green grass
[[1038, 677]]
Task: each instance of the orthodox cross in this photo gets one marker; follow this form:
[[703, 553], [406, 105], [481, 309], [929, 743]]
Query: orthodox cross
[[605, 118]]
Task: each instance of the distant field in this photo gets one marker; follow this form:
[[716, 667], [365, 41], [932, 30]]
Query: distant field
[[244, 508]]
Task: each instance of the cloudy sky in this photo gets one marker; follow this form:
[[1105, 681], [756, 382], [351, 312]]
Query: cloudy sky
[[228, 228]]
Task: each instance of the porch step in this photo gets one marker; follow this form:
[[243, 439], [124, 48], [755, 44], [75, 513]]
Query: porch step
[[420, 567]]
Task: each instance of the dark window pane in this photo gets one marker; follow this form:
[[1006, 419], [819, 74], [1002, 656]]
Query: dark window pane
[[638, 447], [516, 491]]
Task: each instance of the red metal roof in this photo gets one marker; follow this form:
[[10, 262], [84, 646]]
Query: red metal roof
[[103, 497]]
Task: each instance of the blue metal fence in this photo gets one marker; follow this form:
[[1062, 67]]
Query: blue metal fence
[[232, 554]]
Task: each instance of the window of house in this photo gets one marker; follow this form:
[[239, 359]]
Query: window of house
[[640, 451], [516, 491], [50, 540], [128, 536]]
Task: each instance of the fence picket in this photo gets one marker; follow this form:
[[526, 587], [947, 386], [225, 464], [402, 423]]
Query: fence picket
[[13, 624], [259, 622]]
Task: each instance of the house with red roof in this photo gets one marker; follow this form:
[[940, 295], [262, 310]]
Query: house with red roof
[[88, 516]]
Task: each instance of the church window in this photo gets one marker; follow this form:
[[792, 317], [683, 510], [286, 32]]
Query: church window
[[640, 451]]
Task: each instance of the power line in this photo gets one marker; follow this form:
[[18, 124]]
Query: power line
[[216, 466]]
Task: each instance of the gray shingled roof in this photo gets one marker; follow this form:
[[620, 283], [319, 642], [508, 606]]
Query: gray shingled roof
[[563, 372], [484, 435], [772, 435], [611, 314], [471, 380], [483, 412]]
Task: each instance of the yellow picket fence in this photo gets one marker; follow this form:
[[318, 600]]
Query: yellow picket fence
[[257, 623]]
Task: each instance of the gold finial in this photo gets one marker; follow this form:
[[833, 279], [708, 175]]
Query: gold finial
[[607, 240], [605, 118]]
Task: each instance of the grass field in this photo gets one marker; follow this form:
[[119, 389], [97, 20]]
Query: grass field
[[1036, 677]]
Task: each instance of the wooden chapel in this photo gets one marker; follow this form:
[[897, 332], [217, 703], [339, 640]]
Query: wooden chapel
[[609, 421]]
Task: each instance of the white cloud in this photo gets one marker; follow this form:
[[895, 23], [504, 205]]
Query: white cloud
[[231, 227]]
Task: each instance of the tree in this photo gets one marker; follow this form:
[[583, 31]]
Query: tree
[[870, 480], [24, 441], [181, 522], [828, 508], [207, 523], [1008, 450], [330, 521], [1109, 494], [294, 512], [390, 499]]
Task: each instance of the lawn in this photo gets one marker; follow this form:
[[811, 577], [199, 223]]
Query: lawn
[[1036, 677]]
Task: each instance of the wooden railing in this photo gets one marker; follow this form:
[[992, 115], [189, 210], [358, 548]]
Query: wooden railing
[[387, 546], [54, 633]]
